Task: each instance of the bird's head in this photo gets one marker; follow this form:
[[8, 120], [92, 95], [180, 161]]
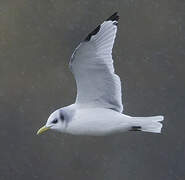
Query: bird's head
[[58, 120]]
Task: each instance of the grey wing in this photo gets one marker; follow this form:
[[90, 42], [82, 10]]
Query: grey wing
[[92, 66]]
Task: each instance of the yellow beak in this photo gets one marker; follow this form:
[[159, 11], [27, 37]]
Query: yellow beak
[[42, 129]]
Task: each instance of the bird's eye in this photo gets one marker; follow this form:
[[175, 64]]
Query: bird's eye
[[55, 121]]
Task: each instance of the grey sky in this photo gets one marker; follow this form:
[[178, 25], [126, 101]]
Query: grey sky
[[37, 39]]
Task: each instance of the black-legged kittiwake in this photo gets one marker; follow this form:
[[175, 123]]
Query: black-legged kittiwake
[[98, 107]]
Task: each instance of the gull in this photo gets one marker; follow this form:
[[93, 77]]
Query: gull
[[98, 108]]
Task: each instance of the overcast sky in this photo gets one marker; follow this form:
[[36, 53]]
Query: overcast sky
[[37, 39]]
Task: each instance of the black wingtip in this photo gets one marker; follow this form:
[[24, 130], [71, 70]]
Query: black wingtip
[[114, 17], [95, 31]]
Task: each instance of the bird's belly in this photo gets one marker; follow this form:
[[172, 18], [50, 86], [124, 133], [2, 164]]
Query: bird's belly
[[98, 125], [90, 130]]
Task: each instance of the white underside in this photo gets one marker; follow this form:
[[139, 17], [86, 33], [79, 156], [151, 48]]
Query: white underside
[[102, 121]]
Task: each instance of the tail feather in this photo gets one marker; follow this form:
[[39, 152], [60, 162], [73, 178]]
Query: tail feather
[[148, 124]]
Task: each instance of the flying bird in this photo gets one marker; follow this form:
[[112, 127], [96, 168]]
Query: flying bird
[[98, 108]]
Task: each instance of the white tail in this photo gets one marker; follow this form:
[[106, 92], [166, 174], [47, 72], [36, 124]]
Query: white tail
[[148, 124]]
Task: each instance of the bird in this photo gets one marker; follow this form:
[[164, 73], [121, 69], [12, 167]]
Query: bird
[[98, 108]]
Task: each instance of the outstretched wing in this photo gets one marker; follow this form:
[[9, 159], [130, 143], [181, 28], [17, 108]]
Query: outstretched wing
[[92, 66]]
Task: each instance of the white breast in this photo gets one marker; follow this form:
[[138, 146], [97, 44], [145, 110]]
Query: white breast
[[97, 121]]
